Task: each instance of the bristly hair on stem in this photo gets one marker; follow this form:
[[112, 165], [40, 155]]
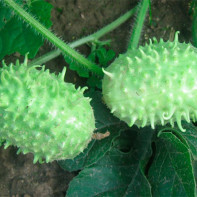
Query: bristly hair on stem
[[47, 34], [137, 29], [90, 38]]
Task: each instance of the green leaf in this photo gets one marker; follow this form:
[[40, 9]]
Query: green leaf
[[2, 141], [120, 172], [171, 173], [5, 15], [94, 81], [16, 36], [101, 113], [74, 65], [104, 56], [42, 10], [194, 164], [190, 136], [97, 148]]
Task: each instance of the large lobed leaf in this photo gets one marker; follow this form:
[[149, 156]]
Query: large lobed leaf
[[120, 172], [130, 168]]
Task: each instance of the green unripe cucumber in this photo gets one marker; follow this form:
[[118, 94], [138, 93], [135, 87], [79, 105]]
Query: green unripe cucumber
[[153, 85], [41, 114]]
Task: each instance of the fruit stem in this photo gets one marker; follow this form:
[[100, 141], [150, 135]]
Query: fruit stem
[[135, 36], [95, 36], [66, 50]]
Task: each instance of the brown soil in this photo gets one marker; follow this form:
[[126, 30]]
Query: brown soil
[[73, 19]]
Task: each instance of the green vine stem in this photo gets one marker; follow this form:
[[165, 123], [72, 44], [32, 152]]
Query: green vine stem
[[95, 36], [135, 36], [66, 50], [194, 30], [150, 13], [194, 23]]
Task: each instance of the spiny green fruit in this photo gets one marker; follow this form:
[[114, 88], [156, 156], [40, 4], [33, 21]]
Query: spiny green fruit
[[155, 84], [41, 114]]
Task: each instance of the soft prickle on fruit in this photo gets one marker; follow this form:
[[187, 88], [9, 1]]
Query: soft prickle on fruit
[[155, 84], [41, 114]]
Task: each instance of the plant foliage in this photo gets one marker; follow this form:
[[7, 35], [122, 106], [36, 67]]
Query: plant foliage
[[130, 161], [15, 35]]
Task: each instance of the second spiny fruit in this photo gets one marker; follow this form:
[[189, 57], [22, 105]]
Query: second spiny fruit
[[153, 85]]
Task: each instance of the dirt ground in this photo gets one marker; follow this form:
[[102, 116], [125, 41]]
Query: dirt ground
[[73, 19]]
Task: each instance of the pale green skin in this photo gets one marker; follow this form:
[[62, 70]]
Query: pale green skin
[[153, 85], [41, 114]]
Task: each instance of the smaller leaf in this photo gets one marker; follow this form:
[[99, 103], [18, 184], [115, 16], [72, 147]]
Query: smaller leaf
[[104, 56], [74, 65], [171, 173], [92, 56], [101, 56], [190, 136], [120, 171]]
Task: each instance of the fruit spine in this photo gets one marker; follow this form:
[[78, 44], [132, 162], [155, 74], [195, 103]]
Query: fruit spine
[[41, 114], [155, 84]]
